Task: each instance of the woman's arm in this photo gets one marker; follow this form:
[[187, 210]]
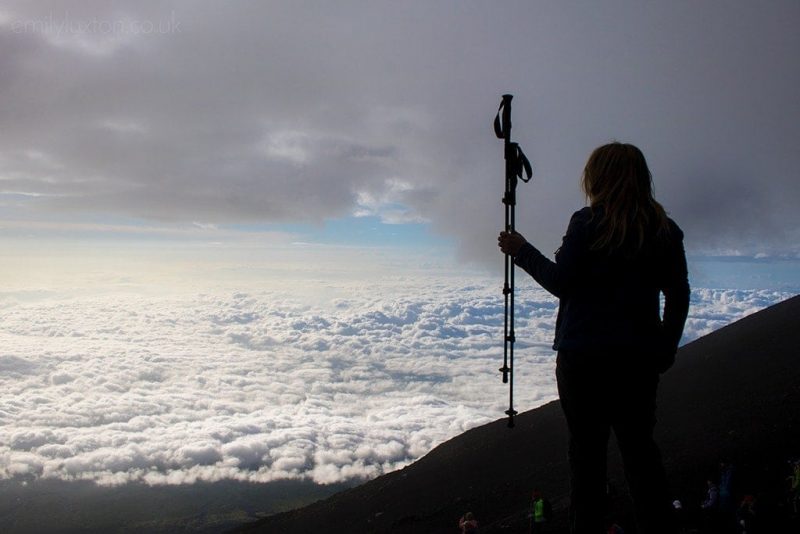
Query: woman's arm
[[543, 270], [676, 293], [556, 277]]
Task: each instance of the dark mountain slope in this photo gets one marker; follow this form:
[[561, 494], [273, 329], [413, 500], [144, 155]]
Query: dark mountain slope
[[734, 394]]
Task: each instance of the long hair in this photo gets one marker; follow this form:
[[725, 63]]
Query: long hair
[[616, 180]]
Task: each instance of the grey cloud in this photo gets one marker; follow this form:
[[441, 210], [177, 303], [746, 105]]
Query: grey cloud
[[179, 126], [267, 112], [15, 366]]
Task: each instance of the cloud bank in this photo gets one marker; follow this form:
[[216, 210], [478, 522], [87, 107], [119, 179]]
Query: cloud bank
[[302, 112], [257, 386]]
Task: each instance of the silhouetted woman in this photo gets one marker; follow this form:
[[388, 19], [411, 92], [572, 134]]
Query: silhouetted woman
[[618, 256]]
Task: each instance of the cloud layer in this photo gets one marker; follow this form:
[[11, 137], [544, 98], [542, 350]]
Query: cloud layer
[[258, 386], [264, 112]]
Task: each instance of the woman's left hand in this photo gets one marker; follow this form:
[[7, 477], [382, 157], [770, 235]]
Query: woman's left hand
[[510, 243]]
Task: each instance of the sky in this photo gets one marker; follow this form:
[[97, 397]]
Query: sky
[[194, 120], [256, 240]]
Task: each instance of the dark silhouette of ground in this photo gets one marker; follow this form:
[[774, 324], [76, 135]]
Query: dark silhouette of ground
[[36, 506], [733, 394]]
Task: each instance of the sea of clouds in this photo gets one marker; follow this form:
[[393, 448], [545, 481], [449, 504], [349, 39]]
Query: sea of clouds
[[260, 385]]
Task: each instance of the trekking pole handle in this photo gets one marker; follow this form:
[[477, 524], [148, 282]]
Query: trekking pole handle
[[502, 122]]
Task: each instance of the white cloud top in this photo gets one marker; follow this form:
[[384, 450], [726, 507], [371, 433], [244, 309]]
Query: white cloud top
[[257, 386]]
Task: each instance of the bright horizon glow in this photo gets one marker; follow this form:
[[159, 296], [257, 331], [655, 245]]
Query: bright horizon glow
[[100, 258], [198, 257]]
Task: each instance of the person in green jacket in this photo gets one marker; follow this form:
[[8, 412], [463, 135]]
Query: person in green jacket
[[541, 513]]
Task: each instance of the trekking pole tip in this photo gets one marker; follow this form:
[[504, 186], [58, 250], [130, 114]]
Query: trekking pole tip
[[511, 413]]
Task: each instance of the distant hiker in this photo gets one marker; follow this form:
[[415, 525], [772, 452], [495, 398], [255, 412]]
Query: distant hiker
[[726, 471], [727, 504], [711, 501], [541, 513], [710, 507], [618, 255], [746, 515], [794, 487], [680, 515], [468, 524]]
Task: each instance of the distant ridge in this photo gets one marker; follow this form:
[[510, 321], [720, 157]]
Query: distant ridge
[[732, 394]]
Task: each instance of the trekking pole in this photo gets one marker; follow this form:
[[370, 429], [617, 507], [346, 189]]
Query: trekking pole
[[517, 167]]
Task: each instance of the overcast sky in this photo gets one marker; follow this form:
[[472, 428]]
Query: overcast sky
[[195, 116]]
